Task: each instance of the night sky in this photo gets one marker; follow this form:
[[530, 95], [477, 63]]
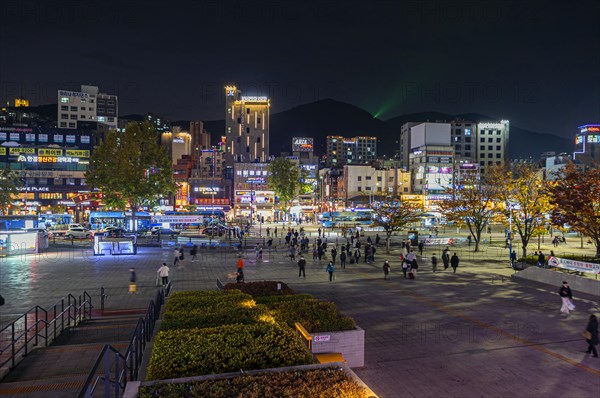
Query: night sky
[[536, 63]]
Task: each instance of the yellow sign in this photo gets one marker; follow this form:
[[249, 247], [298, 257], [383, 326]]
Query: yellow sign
[[78, 153], [50, 152], [17, 151], [2, 151]]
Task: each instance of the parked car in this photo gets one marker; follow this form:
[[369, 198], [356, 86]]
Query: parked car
[[214, 231], [114, 231], [78, 232], [164, 231]]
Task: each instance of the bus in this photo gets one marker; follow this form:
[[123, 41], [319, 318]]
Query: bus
[[102, 219], [347, 218], [55, 221], [180, 220]]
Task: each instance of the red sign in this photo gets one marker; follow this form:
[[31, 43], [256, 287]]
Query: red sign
[[209, 201]]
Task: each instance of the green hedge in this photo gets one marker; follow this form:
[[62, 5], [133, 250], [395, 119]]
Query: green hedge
[[315, 316], [205, 300], [273, 300], [193, 352], [201, 318], [265, 288], [322, 383]]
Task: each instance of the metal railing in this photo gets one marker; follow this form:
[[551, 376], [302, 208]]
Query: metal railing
[[119, 368], [18, 338]]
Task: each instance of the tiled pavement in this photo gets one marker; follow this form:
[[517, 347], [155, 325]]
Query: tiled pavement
[[446, 335]]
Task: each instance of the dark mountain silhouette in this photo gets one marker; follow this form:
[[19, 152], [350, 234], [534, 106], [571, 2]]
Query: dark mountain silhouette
[[329, 117]]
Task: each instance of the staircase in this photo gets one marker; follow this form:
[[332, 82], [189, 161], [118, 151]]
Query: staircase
[[61, 369]]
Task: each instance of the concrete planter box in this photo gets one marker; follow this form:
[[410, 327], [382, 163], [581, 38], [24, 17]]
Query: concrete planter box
[[132, 388], [350, 343]]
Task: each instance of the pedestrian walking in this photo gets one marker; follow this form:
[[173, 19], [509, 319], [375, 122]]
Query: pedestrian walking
[[330, 269], [357, 255], [377, 239], [343, 259], [386, 269], [566, 296], [513, 259], [404, 267], [163, 272], [454, 262], [446, 258], [2, 301], [240, 263], [292, 253], [194, 252], [132, 281], [181, 257], [333, 254], [434, 262], [175, 256], [421, 246], [591, 336], [469, 240], [301, 267]]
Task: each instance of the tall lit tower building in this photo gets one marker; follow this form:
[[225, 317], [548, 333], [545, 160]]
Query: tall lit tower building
[[246, 126]]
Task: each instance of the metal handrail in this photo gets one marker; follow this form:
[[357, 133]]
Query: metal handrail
[[23, 332], [126, 366]]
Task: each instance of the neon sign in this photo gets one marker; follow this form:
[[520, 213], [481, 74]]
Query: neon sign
[[253, 98]]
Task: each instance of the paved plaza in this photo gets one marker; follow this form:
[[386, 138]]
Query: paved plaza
[[476, 333]]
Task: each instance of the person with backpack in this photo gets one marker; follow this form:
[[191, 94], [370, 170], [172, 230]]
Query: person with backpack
[[405, 267], [330, 269]]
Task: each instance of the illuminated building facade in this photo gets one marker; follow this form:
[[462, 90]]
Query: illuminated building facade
[[251, 194], [246, 126], [87, 105], [587, 144], [357, 150], [492, 142], [52, 163]]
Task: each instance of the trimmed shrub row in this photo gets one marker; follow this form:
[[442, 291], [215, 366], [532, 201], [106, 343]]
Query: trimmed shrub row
[[192, 352], [315, 316], [322, 383]]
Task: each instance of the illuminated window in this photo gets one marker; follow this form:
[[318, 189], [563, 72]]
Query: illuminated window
[[72, 125], [64, 100], [44, 137], [85, 139], [70, 139]]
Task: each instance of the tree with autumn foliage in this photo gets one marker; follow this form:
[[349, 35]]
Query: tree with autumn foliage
[[524, 199], [393, 215], [472, 203], [131, 168], [10, 184], [576, 199]]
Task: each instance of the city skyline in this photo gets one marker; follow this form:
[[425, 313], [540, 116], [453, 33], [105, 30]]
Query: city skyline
[[532, 63]]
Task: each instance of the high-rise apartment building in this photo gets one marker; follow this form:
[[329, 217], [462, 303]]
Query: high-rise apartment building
[[87, 105], [246, 126], [493, 144], [357, 150]]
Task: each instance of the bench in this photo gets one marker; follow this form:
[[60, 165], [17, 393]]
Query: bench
[[220, 285], [330, 357], [304, 333]]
